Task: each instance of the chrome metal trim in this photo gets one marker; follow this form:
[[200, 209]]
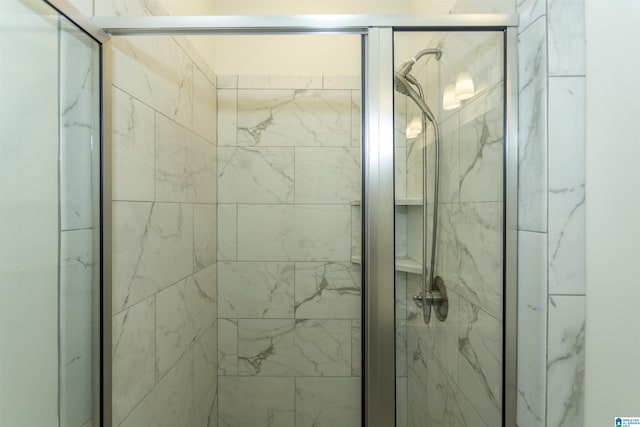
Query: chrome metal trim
[[510, 301], [378, 204], [106, 67], [285, 24], [67, 9]]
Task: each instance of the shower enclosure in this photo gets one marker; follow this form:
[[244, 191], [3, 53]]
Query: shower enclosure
[[329, 249]]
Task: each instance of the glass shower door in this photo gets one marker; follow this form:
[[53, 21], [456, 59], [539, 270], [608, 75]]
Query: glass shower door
[[449, 121], [49, 219]]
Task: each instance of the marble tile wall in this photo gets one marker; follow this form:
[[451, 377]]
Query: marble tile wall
[[165, 268], [453, 367], [289, 298], [551, 205]]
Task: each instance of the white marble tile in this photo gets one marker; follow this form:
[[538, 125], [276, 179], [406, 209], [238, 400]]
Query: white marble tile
[[279, 82], [256, 289], [327, 175], [480, 361], [402, 400], [342, 82], [133, 149], [400, 170], [227, 232], [532, 128], [158, 72], [327, 290], [356, 348], [171, 402], [271, 400], [227, 81], [294, 233], [227, 347], [294, 118], [565, 361], [79, 128], [401, 295], [185, 165], [401, 348], [433, 396], [482, 148], [205, 235], [454, 139], [205, 364], [184, 312], [204, 107], [478, 237], [415, 166], [206, 414], [487, 6], [121, 8], [285, 347], [77, 293], [227, 117], [152, 247], [334, 402], [441, 337], [356, 118], [529, 11], [202, 298], [174, 327], [566, 186], [400, 120], [134, 373], [256, 174], [532, 324], [356, 231], [566, 26]]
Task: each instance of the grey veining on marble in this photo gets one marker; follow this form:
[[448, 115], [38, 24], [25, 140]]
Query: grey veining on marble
[[566, 185], [532, 124], [79, 127], [205, 364], [256, 289], [566, 23], [327, 175], [331, 402], [356, 348], [294, 118], [158, 72], [480, 361], [133, 148], [171, 402], [227, 232], [227, 347], [256, 175], [153, 248], [294, 232], [185, 165], [294, 347], [482, 148], [532, 324], [565, 361], [327, 290], [134, 373], [356, 118], [77, 292], [529, 11], [227, 117], [272, 402], [205, 235]]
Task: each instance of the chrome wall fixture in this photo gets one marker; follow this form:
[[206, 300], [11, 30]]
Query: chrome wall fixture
[[378, 153], [434, 292]]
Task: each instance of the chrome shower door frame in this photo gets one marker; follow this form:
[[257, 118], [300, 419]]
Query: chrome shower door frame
[[378, 263]]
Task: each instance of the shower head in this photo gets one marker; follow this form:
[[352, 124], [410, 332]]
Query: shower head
[[407, 65], [404, 86]]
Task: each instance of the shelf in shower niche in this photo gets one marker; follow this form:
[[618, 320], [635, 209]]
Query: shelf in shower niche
[[404, 264], [399, 202]]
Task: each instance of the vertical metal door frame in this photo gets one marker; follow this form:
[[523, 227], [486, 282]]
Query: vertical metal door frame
[[379, 249]]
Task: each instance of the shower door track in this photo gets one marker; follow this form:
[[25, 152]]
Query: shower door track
[[378, 263]]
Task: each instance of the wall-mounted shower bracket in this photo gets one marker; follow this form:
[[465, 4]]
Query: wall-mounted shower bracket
[[435, 299]]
